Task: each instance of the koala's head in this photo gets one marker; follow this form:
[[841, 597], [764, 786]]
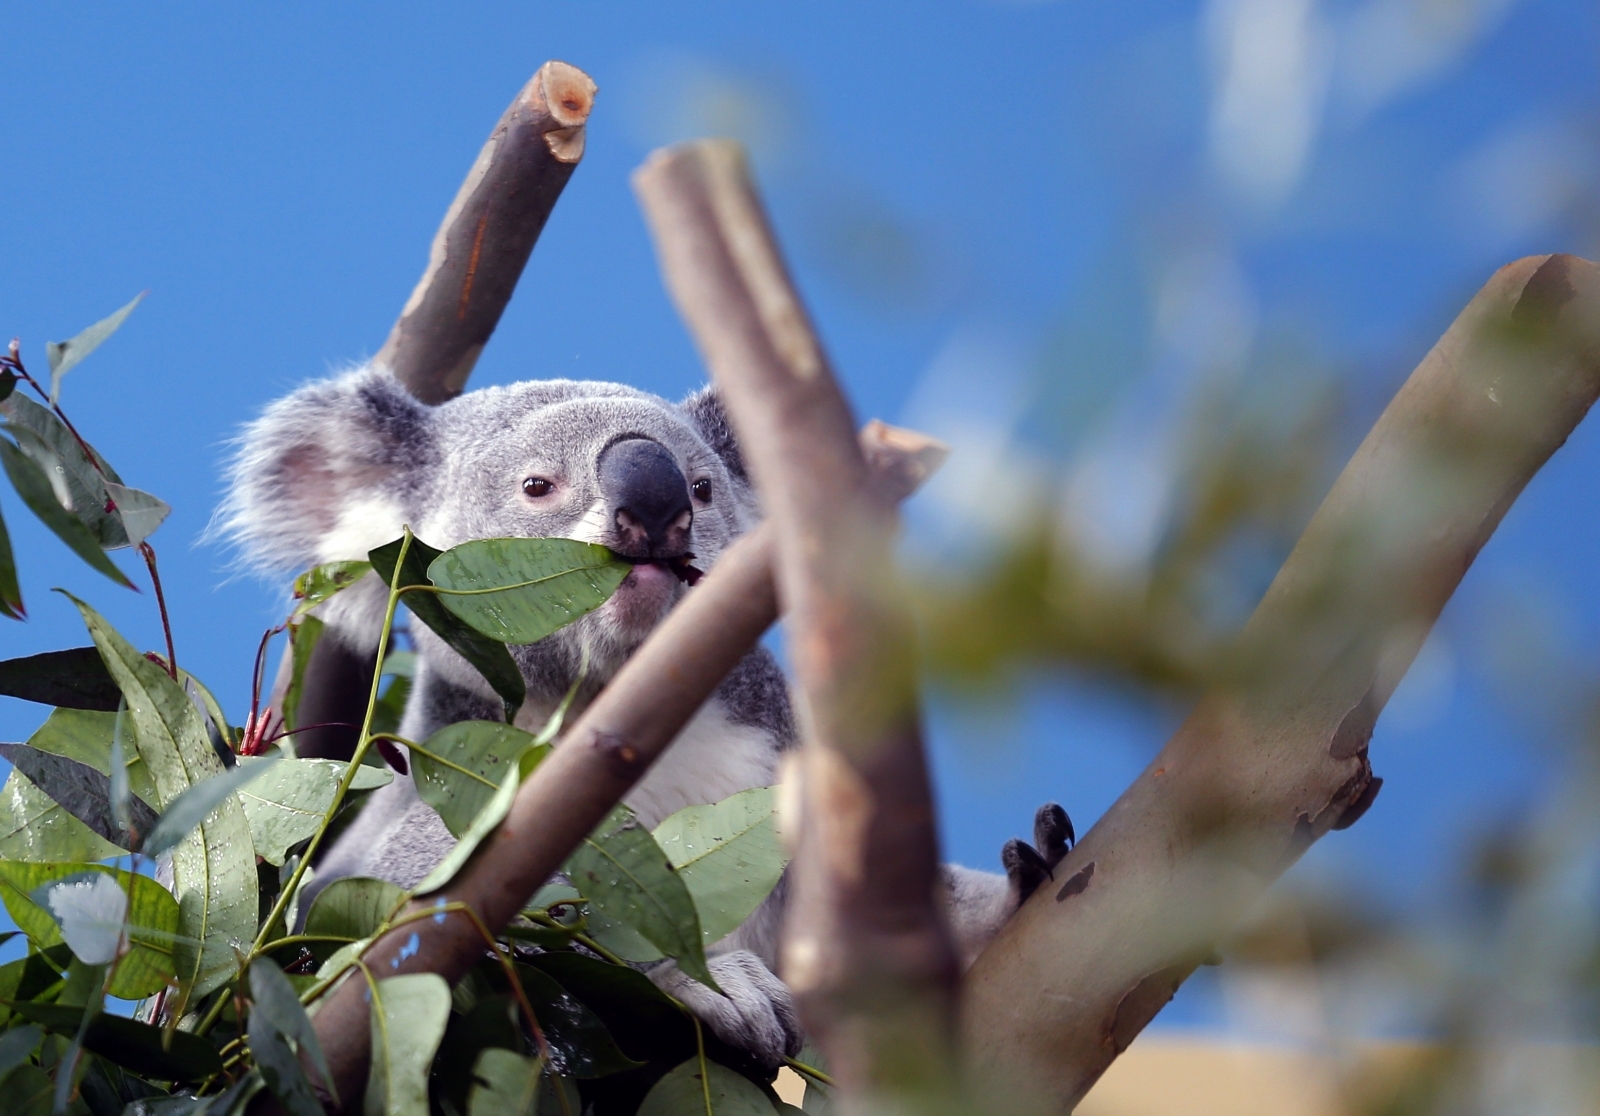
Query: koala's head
[[339, 467]]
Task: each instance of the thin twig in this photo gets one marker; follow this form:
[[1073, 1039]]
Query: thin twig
[[148, 553]]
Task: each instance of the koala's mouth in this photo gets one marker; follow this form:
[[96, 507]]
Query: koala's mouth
[[682, 567]]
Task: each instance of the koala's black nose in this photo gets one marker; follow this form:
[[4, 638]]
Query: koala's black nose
[[650, 498]]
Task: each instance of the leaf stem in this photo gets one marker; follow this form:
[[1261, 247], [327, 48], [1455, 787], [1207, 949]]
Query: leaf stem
[[810, 1071], [148, 553], [705, 1074]]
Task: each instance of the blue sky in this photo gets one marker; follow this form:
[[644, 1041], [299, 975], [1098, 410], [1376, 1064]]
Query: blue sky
[[963, 186]]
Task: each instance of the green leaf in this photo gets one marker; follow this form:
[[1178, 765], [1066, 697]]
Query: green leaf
[[10, 591], [78, 788], [35, 828], [184, 813], [580, 1045], [288, 803], [505, 1084], [626, 877], [409, 1014], [475, 755], [321, 582], [65, 355], [17, 1046], [303, 637], [353, 907], [487, 821], [706, 1088], [152, 913], [86, 737], [275, 1019], [521, 590], [34, 487], [213, 868], [30, 1090], [488, 657], [342, 958], [75, 679], [140, 512], [728, 855]]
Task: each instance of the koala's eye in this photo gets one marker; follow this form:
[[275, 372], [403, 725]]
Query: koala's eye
[[537, 487], [701, 490]]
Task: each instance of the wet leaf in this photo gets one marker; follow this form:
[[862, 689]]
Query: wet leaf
[[214, 873], [287, 804], [34, 487], [303, 637], [626, 877], [580, 1044], [184, 813], [77, 475], [65, 355], [409, 1014], [487, 821], [521, 590], [74, 679], [276, 998], [140, 512], [690, 1089], [80, 790], [353, 907], [321, 582], [644, 1020], [489, 657], [10, 590], [481, 752], [35, 828], [153, 920], [87, 737], [275, 1019], [728, 855]]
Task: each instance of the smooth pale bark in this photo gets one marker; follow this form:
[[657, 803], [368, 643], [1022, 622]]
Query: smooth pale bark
[[1275, 756], [865, 951]]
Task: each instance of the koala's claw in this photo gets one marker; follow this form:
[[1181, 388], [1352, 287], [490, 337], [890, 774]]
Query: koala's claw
[[1025, 868], [1028, 866], [1052, 833], [754, 1012]]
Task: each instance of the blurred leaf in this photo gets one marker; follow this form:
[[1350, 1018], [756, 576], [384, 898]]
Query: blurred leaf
[[30, 1089], [17, 1046], [185, 812], [625, 876], [391, 707], [489, 657], [89, 908], [321, 582], [521, 590], [65, 355], [580, 1045], [74, 679], [35, 828], [487, 821], [714, 1091], [353, 907], [288, 803], [276, 998], [77, 475], [153, 920], [303, 637], [87, 737], [213, 868], [140, 512], [121, 792], [276, 1018], [487, 749], [10, 591], [728, 855], [644, 1020], [409, 1014], [504, 1084], [342, 958], [79, 789], [34, 488]]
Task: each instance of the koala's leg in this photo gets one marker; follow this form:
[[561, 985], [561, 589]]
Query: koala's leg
[[979, 903]]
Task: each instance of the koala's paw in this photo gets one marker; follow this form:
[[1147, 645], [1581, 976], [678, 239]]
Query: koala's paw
[[1027, 866], [755, 1011]]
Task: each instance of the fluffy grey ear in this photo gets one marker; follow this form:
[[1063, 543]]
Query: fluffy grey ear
[[328, 472], [704, 409]]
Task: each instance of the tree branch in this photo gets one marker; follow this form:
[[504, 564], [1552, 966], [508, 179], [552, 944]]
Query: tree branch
[[599, 759], [1276, 756], [866, 950]]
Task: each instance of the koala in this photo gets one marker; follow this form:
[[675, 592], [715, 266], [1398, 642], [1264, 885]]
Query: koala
[[339, 466]]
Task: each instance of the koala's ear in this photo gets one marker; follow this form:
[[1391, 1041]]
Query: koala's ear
[[704, 409], [327, 473]]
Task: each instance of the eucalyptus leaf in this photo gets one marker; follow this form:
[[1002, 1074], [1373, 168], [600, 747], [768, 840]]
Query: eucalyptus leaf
[[184, 813], [275, 1018], [36, 828], [80, 790], [464, 765], [174, 1056], [646, 1023], [303, 637], [409, 1014], [78, 475], [728, 855], [65, 355], [140, 512], [10, 590], [701, 1086], [353, 907], [580, 1045], [626, 877], [288, 803], [34, 487], [521, 590], [213, 868], [277, 1002], [87, 737], [17, 1045], [487, 821], [152, 914], [29, 1091], [505, 1083], [489, 657], [75, 679], [90, 908], [321, 582]]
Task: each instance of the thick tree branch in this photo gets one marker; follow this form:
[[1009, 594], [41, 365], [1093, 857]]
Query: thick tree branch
[[477, 257], [865, 951], [605, 752], [1276, 756]]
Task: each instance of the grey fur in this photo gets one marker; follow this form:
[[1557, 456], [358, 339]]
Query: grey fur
[[338, 468]]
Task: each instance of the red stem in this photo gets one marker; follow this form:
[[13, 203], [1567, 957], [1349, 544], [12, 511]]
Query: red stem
[[148, 552]]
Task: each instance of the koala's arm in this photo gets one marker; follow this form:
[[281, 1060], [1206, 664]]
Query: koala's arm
[[979, 903]]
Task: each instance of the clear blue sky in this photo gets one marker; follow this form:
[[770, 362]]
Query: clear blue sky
[[958, 183]]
